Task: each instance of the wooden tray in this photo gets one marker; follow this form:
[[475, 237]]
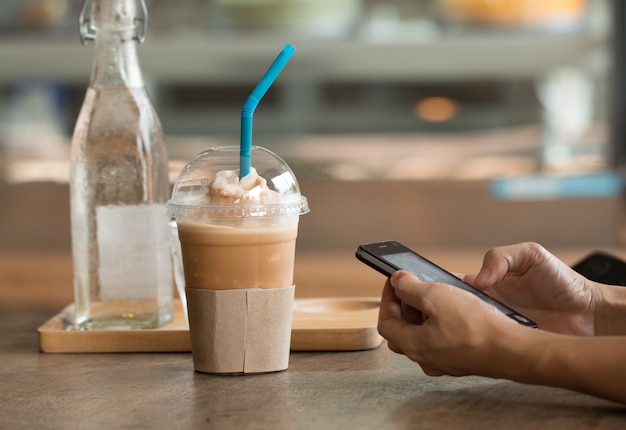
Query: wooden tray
[[324, 324]]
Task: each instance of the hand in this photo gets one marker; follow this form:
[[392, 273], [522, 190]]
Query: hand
[[444, 329], [535, 283]]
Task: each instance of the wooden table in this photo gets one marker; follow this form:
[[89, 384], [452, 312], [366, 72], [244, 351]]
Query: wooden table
[[359, 390], [374, 389]]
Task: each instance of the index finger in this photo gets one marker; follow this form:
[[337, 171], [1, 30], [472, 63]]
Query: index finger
[[500, 261]]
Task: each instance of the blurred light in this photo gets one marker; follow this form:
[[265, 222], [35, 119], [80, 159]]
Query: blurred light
[[37, 171], [56, 171], [436, 109]]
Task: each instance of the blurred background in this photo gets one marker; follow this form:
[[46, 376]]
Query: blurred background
[[446, 123]]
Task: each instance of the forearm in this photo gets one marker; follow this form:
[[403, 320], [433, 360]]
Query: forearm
[[592, 365]]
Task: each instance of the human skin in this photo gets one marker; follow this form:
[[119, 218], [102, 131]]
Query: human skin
[[580, 343]]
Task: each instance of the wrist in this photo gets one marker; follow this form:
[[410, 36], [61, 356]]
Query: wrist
[[521, 350], [610, 310], [539, 357]]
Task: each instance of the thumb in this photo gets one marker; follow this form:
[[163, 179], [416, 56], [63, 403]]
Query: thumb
[[413, 292], [485, 278]]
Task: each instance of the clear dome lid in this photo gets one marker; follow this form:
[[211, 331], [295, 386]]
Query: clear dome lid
[[209, 188]]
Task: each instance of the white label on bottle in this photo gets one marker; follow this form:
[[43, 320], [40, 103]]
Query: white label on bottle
[[133, 248]]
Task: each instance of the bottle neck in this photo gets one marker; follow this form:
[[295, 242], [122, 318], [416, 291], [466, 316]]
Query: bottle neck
[[115, 63], [115, 26]]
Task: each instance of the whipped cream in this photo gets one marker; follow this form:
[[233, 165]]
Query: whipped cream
[[227, 189]]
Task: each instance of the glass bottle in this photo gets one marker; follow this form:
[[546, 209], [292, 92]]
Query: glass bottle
[[119, 182]]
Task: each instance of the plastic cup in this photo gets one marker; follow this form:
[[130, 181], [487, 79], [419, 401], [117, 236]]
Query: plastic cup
[[237, 239], [177, 265]]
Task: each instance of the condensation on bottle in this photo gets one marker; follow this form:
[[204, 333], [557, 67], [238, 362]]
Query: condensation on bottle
[[122, 263]]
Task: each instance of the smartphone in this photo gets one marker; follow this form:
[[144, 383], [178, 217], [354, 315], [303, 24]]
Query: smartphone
[[602, 267], [390, 256]]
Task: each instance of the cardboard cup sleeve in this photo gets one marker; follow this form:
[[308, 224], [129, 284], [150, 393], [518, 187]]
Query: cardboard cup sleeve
[[240, 331]]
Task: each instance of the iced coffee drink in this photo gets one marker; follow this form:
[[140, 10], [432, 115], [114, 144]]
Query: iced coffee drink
[[249, 253], [237, 258], [238, 238]]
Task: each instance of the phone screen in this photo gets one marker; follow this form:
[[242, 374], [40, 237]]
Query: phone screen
[[387, 257]]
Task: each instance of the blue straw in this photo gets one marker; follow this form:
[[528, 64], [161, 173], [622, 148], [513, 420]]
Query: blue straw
[[245, 149]]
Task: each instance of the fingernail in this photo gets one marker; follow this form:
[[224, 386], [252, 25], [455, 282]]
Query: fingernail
[[394, 279], [484, 272]]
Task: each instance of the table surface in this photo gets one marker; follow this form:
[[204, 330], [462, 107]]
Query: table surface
[[326, 390]]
